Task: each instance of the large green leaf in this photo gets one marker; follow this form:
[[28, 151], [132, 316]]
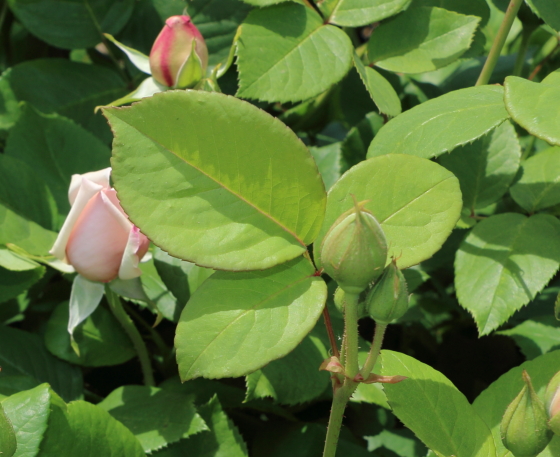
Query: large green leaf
[[22, 353], [56, 148], [547, 10], [100, 339], [223, 440], [471, 7], [486, 167], [86, 430], [442, 124], [236, 323], [431, 406], [539, 186], [157, 417], [416, 201], [536, 336], [13, 283], [381, 91], [8, 443], [292, 379], [286, 53], [217, 21], [29, 413], [355, 13], [72, 24], [503, 263], [329, 162], [214, 180], [434, 38], [535, 106], [492, 403], [158, 292], [68, 88]]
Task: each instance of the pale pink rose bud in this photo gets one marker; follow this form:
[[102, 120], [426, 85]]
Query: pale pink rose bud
[[172, 61], [97, 238]]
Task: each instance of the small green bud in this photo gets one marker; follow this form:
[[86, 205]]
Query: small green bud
[[552, 402], [354, 250], [388, 300], [524, 427]]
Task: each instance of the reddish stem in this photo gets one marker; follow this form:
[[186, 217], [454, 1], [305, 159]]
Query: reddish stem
[[330, 331]]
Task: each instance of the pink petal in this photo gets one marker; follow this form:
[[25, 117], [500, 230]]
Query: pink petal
[[135, 249], [100, 177]]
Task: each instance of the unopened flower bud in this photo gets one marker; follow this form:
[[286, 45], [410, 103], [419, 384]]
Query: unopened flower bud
[[524, 427], [179, 56], [552, 401], [354, 250], [388, 299]]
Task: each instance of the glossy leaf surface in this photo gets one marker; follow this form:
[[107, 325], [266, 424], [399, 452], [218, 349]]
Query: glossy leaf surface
[[486, 167], [454, 427], [8, 443], [503, 263], [231, 314], [215, 180], [303, 56], [355, 13], [434, 38], [443, 123], [417, 203]]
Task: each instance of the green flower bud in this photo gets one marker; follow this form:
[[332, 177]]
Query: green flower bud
[[388, 300], [552, 401], [524, 427], [354, 250]]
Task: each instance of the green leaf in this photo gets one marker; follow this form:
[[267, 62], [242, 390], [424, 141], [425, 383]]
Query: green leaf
[[369, 393], [547, 10], [87, 430], [13, 283], [355, 13], [10, 385], [15, 262], [471, 7], [292, 379], [355, 145], [29, 413], [453, 428], [217, 21], [9, 109], [157, 417], [486, 167], [503, 263], [286, 53], [492, 403], [181, 278], [536, 336], [535, 106], [72, 24], [231, 314], [442, 124], [416, 201], [381, 91], [215, 168], [70, 89], [262, 3], [8, 444], [157, 291], [49, 144], [222, 440], [100, 339], [23, 353], [539, 186], [328, 160], [434, 38]]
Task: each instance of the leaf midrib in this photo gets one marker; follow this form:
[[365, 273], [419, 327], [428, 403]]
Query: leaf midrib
[[252, 205]]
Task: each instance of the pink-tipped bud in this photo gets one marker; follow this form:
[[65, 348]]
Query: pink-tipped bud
[[172, 60]]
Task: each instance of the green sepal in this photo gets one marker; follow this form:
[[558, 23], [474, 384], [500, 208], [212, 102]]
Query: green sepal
[[191, 72]]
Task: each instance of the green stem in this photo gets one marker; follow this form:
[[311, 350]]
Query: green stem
[[374, 350], [499, 42], [340, 398], [522, 52], [133, 333], [156, 338], [351, 331]]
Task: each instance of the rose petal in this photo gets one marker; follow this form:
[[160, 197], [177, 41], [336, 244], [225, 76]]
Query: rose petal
[[100, 177], [136, 247], [86, 191], [99, 238]]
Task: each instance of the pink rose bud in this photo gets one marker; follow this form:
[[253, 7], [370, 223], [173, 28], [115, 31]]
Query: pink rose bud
[[172, 60], [97, 238]]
